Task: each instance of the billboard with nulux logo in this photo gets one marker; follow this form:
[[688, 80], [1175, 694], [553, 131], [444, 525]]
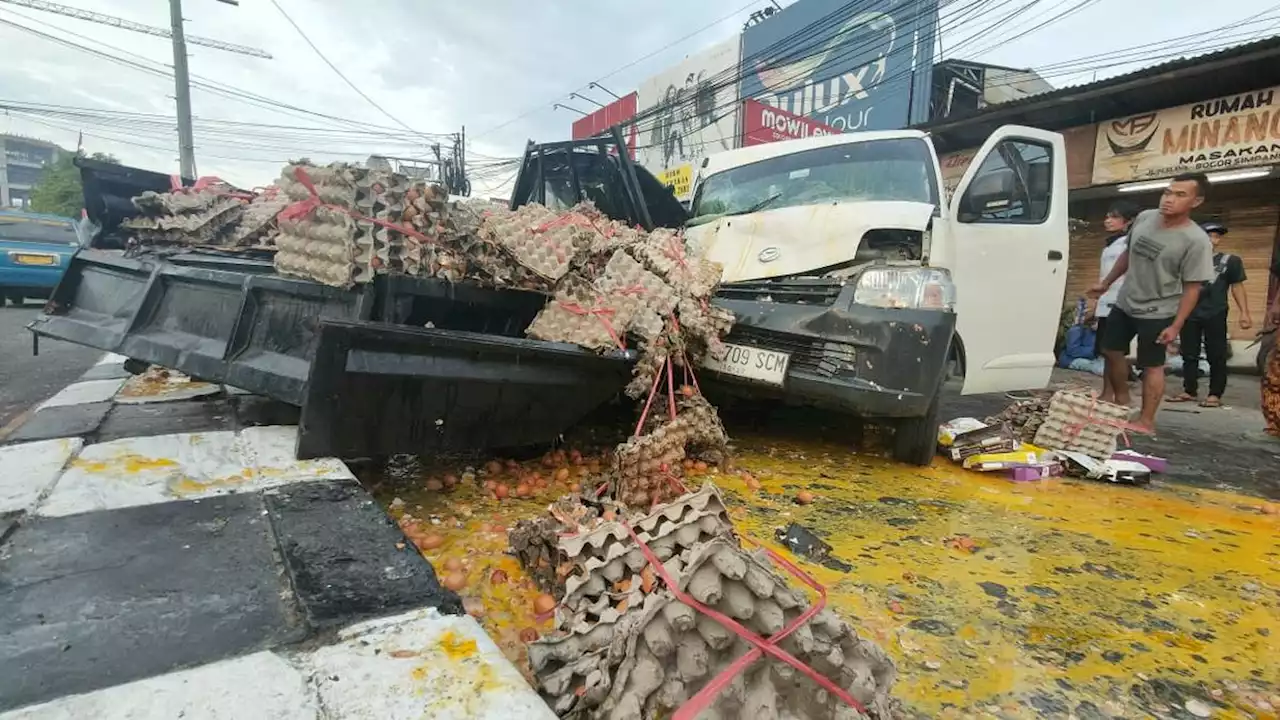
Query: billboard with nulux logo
[[860, 65]]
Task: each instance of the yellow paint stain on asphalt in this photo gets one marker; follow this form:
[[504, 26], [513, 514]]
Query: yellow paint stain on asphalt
[[455, 647], [995, 599], [124, 463], [187, 486]]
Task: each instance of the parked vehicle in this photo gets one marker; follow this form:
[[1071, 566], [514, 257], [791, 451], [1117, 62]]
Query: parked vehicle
[[858, 286], [34, 252]]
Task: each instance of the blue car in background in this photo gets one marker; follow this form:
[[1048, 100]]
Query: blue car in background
[[34, 251]]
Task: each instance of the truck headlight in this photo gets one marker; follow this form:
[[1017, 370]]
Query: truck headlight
[[915, 288]]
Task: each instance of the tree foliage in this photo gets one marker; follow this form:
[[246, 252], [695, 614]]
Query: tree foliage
[[59, 192]]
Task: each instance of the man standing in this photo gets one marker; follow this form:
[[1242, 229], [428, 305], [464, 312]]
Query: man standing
[[1208, 323], [1169, 257]]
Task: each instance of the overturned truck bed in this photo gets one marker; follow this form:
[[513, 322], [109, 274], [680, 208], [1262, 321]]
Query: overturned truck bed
[[399, 365]]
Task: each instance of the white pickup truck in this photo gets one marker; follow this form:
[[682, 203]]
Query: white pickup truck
[[857, 284]]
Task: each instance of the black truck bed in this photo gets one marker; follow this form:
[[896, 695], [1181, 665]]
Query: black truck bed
[[401, 365]]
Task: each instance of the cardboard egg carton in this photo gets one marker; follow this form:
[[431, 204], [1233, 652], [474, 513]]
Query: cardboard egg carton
[[334, 183], [655, 656], [1078, 422], [257, 225]]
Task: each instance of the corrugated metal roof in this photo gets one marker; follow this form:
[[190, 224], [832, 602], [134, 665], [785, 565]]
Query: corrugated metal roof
[[1189, 79]]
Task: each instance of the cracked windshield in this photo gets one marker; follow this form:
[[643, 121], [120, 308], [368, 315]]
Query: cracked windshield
[[795, 360], [870, 170]]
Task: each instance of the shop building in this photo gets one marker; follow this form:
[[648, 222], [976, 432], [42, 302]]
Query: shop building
[[1126, 136]]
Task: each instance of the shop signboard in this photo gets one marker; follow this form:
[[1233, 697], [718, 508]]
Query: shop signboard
[[1226, 133], [599, 122], [688, 112], [852, 66], [764, 124]]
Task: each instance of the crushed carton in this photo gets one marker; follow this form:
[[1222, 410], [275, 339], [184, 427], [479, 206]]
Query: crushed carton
[[988, 439], [1152, 463], [1123, 472], [948, 431], [1032, 473]]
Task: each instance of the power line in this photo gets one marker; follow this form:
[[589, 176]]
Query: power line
[[338, 72], [615, 71]]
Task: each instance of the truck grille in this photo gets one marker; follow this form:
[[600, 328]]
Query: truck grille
[[816, 357], [801, 291]]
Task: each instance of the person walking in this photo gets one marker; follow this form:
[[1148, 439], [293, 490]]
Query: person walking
[[1169, 259], [1271, 378], [1207, 325], [1116, 223]]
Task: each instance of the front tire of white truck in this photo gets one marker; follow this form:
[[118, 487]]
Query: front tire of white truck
[[915, 440]]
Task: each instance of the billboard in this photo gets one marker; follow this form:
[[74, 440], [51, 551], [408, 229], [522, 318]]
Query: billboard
[[850, 65], [606, 117], [1226, 133], [688, 112], [764, 124]]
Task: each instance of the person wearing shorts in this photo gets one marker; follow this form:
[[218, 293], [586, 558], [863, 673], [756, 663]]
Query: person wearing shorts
[[1169, 258], [1116, 223]]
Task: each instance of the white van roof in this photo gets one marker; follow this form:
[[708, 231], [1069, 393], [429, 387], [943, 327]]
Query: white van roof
[[730, 159]]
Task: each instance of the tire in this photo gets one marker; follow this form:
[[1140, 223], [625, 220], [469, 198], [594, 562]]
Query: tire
[[915, 440]]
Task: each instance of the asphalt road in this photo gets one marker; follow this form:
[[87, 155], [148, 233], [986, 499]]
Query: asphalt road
[[26, 379]]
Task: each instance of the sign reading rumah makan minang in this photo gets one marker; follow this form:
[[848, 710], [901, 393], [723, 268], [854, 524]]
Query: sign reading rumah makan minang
[[1227, 133]]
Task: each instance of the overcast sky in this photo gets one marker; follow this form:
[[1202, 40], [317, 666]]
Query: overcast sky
[[494, 65]]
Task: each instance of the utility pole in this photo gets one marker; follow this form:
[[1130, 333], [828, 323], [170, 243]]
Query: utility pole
[[462, 162], [182, 92]]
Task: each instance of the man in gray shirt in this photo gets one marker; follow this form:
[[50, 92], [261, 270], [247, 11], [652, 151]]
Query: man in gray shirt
[[1169, 257]]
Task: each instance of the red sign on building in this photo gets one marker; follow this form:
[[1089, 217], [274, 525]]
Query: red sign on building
[[599, 122], [764, 124]]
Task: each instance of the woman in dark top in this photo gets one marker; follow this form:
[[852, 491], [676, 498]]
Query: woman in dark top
[[1271, 378]]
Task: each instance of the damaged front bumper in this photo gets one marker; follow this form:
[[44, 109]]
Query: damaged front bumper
[[869, 361]]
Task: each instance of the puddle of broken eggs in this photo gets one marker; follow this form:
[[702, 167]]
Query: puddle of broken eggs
[[1054, 598]]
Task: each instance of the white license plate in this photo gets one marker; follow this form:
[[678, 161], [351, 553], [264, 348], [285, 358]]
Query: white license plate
[[751, 362]]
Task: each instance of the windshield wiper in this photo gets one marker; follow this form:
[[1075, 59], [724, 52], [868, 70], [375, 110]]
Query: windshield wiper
[[758, 206]]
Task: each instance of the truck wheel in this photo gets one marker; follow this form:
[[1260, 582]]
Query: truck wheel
[[915, 440]]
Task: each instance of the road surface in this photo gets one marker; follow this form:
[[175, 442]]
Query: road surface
[[25, 379]]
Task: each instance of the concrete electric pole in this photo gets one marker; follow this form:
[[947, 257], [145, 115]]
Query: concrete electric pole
[[181, 83], [182, 93]]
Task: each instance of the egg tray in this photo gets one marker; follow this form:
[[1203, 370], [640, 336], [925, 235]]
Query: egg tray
[[183, 202], [660, 652], [1078, 422], [214, 228], [257, 226], [1025, 417]]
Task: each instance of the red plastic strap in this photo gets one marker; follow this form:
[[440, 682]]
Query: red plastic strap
[[702, 700], [302, 208], [671, 390], [653, 390], [602, 314], [203, 183]]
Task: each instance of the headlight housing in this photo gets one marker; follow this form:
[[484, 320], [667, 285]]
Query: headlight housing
[[914, 288]]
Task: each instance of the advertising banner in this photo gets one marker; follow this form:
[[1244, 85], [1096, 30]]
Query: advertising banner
[[849, 65], [764, 124], [606, 117], [688, 112], [1227, 133], [953, 167]]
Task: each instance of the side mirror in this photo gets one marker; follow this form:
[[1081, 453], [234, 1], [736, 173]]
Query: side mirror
[[992, 192]]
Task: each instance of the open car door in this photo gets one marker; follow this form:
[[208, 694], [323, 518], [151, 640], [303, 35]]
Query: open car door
[[1010, 227]]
